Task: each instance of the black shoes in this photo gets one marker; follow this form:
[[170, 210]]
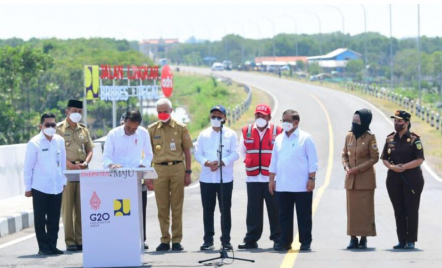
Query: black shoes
[[146, 246], [353, 243], [305, 246], [409, 245], [79, 247], [362, 243], [248, 245], [72, 248], [228, 246], [401, 245], [45, 252], [281, 247], [56, 251], [207, 246], [177, 247], [163, 247]]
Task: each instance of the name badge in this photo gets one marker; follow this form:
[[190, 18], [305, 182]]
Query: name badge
[[172, 146], [248, 141], [157, 137], [44, 150]]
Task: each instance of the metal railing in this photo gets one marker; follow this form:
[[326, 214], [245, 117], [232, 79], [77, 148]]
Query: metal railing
[[422, 112]]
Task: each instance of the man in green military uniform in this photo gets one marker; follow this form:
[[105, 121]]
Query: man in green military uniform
[[79, 148], [171, 145]]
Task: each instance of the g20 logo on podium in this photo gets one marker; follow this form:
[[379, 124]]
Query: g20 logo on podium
[[99, 217], [121, 207]]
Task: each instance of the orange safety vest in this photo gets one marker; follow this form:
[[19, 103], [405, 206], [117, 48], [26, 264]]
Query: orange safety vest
[[259, 152]]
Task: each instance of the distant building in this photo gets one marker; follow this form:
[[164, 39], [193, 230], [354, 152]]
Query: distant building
[[335, 60], [267, 62], [152, 47]]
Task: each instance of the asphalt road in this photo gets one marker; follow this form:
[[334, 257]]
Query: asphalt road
[[327, 115]]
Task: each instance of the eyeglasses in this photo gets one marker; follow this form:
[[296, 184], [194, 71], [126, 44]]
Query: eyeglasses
[[216, 117], [48, 125]]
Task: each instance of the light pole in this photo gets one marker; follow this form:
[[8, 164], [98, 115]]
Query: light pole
[[419, 54], [242, 42], [296, 31], [391, 52], [319, 23], [365, 45], [259, 36], [273, 39], [343, 21]]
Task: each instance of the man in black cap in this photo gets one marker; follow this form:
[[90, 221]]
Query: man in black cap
[[403, 155], [79, 148], [206, 153]]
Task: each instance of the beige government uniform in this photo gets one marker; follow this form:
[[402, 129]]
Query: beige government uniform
[[78, 143], [168, 144], [362, 153]]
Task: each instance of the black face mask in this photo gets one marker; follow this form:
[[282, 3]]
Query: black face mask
[[399, 127], [357, 129]]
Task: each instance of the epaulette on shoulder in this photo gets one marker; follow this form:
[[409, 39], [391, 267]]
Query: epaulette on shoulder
[[60, 123], [391, 134], [83, 125], [153, 124], [414, 135], [369, 132]]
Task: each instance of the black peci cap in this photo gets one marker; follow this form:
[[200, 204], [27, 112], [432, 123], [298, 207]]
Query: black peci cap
[[75, 104]]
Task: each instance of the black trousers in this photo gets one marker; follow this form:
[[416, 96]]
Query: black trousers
[[257, 193], [209, 192], [47, 209], [144, 200], [405, 204], [303, 202]]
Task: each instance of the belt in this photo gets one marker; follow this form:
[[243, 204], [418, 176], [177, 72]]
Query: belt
[[169, 163], [77, 162]]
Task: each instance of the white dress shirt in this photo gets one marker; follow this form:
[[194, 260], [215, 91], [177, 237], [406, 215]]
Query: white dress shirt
[[243, 150], [293, 158], [44, 164], [207, 150], [127, 151]]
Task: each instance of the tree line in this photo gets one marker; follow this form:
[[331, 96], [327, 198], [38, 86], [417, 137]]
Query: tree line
[[41, 75]]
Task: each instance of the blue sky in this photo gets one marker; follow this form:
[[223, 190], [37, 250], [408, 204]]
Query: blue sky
[[137, 20]]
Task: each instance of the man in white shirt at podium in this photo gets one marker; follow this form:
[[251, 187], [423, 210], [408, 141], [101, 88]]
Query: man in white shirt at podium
[[125, 145]]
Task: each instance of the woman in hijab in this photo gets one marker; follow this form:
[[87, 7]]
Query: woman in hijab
[[359, 155]]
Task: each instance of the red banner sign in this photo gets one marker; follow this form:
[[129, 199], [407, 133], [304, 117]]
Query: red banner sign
[[132, 72]]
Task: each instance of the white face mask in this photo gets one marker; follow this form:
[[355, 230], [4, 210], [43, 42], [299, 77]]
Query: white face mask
[[215, 122], [49, 131], [75, 117], [287, 126], [260, 122]]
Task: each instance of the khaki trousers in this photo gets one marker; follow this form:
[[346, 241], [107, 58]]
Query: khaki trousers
[[169, 194], [71, 214]]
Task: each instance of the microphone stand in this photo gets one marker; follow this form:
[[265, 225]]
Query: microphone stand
[[223, 251]]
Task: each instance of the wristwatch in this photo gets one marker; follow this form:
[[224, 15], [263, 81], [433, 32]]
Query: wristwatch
[[85, 164], [189, 171], [312, 178]]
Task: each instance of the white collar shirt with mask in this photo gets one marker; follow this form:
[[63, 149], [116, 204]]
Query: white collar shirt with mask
[[127, 151], [293, 158], [207, 148], [45, 161]]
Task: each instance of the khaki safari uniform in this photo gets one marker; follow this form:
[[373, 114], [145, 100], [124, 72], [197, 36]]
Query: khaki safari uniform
[[362, 153], [168, 144], [401, 150], [78, 143]]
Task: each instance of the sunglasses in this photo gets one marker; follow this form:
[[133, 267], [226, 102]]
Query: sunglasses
[[48, 125], [216, 117]]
